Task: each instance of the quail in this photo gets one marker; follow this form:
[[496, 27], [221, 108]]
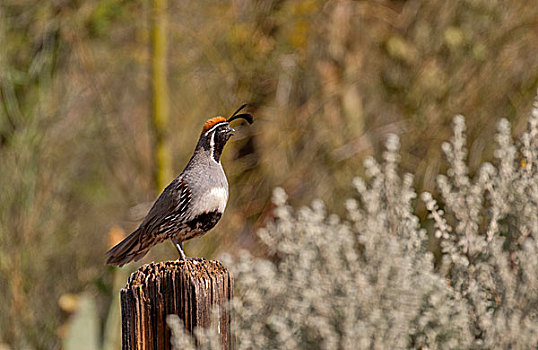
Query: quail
[[191, 204]]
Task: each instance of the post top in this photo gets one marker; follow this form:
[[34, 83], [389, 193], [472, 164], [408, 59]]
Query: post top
[[192, 268]]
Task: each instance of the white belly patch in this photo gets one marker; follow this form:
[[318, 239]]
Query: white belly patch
[[216, 198]]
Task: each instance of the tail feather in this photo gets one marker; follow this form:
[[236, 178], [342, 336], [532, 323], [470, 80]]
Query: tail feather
[[127, 250]]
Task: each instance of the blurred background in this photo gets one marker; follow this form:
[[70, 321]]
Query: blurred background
[[102, 102]]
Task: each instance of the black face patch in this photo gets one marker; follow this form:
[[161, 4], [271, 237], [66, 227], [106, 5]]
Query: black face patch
[[215, 139], [221, 136], [204, 222]]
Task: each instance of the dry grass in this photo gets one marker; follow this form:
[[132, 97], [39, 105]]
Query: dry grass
[[328, 81]]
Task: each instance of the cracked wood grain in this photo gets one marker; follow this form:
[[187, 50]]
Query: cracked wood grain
[[189, 288]]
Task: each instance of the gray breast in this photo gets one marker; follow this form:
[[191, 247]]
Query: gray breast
[[209, 188]]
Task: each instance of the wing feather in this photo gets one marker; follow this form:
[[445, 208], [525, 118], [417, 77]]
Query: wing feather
[[169, 209], [166, 217]]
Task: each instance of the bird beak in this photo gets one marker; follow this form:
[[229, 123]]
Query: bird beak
[[230, 130]]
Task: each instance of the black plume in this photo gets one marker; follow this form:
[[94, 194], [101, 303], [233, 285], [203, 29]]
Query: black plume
[[245, 116]]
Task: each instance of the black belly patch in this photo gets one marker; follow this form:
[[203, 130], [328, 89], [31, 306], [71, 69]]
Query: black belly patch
[[204, 222]]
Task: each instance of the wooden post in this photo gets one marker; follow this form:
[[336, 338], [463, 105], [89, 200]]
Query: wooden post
[[188, 288]]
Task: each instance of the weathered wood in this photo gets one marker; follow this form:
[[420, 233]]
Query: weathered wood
[[188, 288]]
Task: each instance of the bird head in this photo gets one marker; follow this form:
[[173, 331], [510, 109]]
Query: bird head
[[217, 131]]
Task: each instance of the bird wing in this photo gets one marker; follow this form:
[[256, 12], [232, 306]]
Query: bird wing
[[169, 210], [166, 216]]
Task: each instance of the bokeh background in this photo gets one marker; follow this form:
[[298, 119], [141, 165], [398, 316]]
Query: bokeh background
[[325, 80]]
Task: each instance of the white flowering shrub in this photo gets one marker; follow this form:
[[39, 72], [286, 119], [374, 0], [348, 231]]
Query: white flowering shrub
[[490, 251], [368, 281]]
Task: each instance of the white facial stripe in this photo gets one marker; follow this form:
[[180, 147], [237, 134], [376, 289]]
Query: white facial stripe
[[214, 127], [212, 146], [212, 141]]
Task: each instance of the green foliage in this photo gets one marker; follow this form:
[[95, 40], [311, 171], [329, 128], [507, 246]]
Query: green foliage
[[83, 328], [160, 102], [105, 13]]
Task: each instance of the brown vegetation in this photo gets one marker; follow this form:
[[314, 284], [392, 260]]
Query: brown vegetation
[[327, 80]]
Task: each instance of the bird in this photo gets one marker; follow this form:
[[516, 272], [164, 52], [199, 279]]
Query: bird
[[191, 204]]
